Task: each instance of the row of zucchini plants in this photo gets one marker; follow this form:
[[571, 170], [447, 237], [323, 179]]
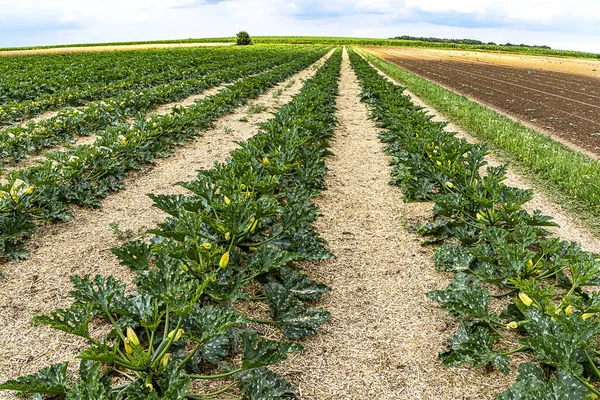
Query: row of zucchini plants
[[32, 85], [18, 142], [85, 174], [233, 240], [500, 255]]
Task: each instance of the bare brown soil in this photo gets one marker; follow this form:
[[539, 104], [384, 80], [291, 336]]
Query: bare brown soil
[[564, 105], [41, 283], [95, 49]]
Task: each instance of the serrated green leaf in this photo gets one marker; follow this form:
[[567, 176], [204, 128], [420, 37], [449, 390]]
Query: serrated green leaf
[[263, 384], [92, 385], [174, 383], [259, 352], [210, 322], [560, 342], [99, 293], [215, 349], [52, 380], [533, 385], [453, 258], [136, 255], [294, 318], [269, 259], [73, 320], [99, 353], [302, 286], [473, 346], [464, 298]]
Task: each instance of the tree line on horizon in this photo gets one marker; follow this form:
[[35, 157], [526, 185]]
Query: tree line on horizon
[[464, 41]]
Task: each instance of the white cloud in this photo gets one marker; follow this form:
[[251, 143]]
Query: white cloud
[[574, 24]]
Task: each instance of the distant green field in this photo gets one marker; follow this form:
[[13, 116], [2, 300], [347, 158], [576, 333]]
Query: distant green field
[[332, 40]]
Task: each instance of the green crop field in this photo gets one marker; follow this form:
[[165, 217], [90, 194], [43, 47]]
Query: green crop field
[[281, 221]]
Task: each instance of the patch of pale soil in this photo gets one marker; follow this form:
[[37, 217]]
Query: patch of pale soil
[[95, 49], [167, 108], [384, 336], [40, 284], [570, 227], [579, 66]]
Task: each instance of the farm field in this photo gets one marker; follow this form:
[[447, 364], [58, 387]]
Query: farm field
[[102, 48], [558, 96], [280, 221]]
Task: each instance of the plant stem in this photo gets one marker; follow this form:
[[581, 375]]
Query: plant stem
[[171, 340], [261, 243], [587, 385], [226, 388], [592, 364], [189, 356], [257, 298], [114, 323], [505, 294], [166, 332], [223, 375], [518, 349]]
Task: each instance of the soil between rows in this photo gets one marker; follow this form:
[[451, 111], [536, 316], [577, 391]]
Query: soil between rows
[[384, 335], [565, 105], [41, 284]]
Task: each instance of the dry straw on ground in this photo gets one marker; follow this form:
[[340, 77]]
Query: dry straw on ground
[[41, 284], [384, 336]]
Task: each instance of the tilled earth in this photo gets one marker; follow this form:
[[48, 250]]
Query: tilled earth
[[562, 104]]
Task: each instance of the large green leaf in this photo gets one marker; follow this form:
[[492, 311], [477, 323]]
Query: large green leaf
[[269, 259], [464, 298], [99, 293], [52, 380], [302, 286], [92, 385], [136, 255], [99, 353], [295, 319], [473, 346], [263, 384], [259, 352], [559, 341], [533, 385], [73, 320], [210, 322]]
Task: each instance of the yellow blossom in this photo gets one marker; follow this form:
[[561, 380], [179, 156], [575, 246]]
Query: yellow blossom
[[525, 299]]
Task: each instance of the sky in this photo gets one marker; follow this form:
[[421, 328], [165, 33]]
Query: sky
[[561, 24]]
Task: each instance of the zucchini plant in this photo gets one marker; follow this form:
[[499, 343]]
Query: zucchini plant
[[233, 239], [18, 142], [85, 174], [496, 250]]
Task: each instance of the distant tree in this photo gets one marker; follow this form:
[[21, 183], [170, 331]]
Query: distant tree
[[243, 39]]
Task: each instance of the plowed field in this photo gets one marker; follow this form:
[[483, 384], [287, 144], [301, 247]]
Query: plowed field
[[566, 105]]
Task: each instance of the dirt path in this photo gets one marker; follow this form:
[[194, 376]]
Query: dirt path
[[384, 336], [95, 49], [41, 284], [570, 227]]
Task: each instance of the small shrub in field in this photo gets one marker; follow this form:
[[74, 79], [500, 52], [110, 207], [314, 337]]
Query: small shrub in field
[[243, 39]]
